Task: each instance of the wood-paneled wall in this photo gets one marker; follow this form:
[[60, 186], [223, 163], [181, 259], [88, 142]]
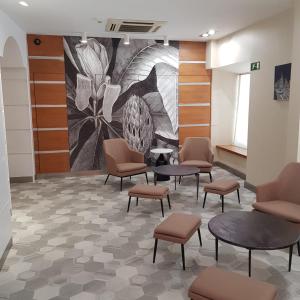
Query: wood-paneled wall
[[194, 91], [48, 100]]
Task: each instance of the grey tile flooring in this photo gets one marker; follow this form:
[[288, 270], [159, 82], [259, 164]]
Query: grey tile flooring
[[74, 240]]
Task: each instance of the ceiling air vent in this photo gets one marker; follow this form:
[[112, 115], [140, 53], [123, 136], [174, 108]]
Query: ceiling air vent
[[137, 26]]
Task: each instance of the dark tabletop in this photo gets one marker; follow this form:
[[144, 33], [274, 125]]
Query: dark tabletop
[[175, 170], [254, 230]]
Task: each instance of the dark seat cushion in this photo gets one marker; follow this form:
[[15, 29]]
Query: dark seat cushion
[[216, 284]]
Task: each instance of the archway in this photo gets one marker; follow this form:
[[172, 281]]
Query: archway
[[17, 110]]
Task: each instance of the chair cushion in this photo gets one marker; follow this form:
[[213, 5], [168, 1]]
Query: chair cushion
[[287, 210], [197, 163], [230, 286], [177, 227], [148, 190], [129, 167], [222, 185]]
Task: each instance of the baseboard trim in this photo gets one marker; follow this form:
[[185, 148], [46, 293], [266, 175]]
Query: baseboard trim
[[70, 174], [23, 179], [230, 169], [5, 254], [250, 186]]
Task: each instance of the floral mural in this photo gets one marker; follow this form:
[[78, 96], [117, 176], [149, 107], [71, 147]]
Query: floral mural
[[117, 90]]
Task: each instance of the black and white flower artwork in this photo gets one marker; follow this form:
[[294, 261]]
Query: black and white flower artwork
[[282, 82], [117, 90]]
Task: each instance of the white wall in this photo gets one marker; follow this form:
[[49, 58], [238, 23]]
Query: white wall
[[270, 43], [8, 31], [17, 121]]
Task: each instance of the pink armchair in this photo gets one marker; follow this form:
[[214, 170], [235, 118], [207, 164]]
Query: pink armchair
[[281, 197], [196, 151], [121, 161]]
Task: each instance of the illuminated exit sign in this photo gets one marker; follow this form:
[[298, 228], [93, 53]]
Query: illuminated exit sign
[[255, 66]]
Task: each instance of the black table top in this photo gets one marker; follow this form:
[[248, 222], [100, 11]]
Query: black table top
[[254, 230], [175, 170]]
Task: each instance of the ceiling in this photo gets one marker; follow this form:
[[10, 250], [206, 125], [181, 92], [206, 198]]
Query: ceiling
[[187, 19]]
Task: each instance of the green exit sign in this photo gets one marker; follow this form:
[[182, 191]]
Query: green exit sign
[[255, 66]]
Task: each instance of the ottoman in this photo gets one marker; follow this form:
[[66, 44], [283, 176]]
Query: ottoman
[[150, 192], [177, 228], [222, 188], [216, 284]]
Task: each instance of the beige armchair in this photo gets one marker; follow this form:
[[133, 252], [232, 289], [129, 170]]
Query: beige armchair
[[121, 161], [196, 151], [281, 197]]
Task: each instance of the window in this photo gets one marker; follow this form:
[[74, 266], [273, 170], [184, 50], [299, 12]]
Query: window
[[240, 138]]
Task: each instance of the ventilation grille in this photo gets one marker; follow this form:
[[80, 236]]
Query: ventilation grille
[[116, 25]]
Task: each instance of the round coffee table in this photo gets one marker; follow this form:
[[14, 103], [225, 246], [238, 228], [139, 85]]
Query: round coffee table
[[162, 160], [177, 170], [254, 231]]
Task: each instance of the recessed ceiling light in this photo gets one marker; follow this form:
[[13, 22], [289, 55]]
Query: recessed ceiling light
[[211, 32], [204, 35], [23, 3]]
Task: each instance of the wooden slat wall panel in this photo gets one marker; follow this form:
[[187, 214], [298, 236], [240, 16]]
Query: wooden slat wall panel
[[48, 76], [52, 140], [37, 163], [45, 66], [194, 115], [51, 45], [194, 70], [193, 132], [49, 94], [194, 78], [54, 162], [192, 51], [51, 117], [194, 94], [34, 120]]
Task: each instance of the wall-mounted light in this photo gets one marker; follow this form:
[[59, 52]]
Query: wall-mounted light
[[166, 41], [210, 32], [126, 40], [23, 3], [83, 38]]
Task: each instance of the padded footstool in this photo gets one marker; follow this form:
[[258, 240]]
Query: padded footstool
[[216, 284], [222, 188], [177, 228], [150, 192]]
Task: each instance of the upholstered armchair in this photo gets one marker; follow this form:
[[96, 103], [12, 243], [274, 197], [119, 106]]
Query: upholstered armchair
[[121, 161], [196, 151], [281, 197]]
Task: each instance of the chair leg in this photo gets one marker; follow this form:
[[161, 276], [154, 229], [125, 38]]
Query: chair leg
[[129, 200], [179, 180], [199, 235], [130, 178], [183, 258], [155, 248], [168, 196], [106, 179], [121, 184], [162, 207], [210, 177], [146, 178], [222, 199], [298, 244], [238, 193], [137, 201], [204, 200]]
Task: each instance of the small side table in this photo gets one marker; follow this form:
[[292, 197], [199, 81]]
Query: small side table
[[163, 159]]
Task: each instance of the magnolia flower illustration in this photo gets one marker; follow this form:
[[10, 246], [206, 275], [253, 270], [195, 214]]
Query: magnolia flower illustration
[[111, 95]]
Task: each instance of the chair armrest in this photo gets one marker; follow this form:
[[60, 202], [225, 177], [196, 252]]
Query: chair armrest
[[181, 155], [111, 165], [136, 156], [267, 191], [211, 157]]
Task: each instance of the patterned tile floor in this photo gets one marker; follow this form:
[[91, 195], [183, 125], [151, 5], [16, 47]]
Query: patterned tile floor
[[74, 240]]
